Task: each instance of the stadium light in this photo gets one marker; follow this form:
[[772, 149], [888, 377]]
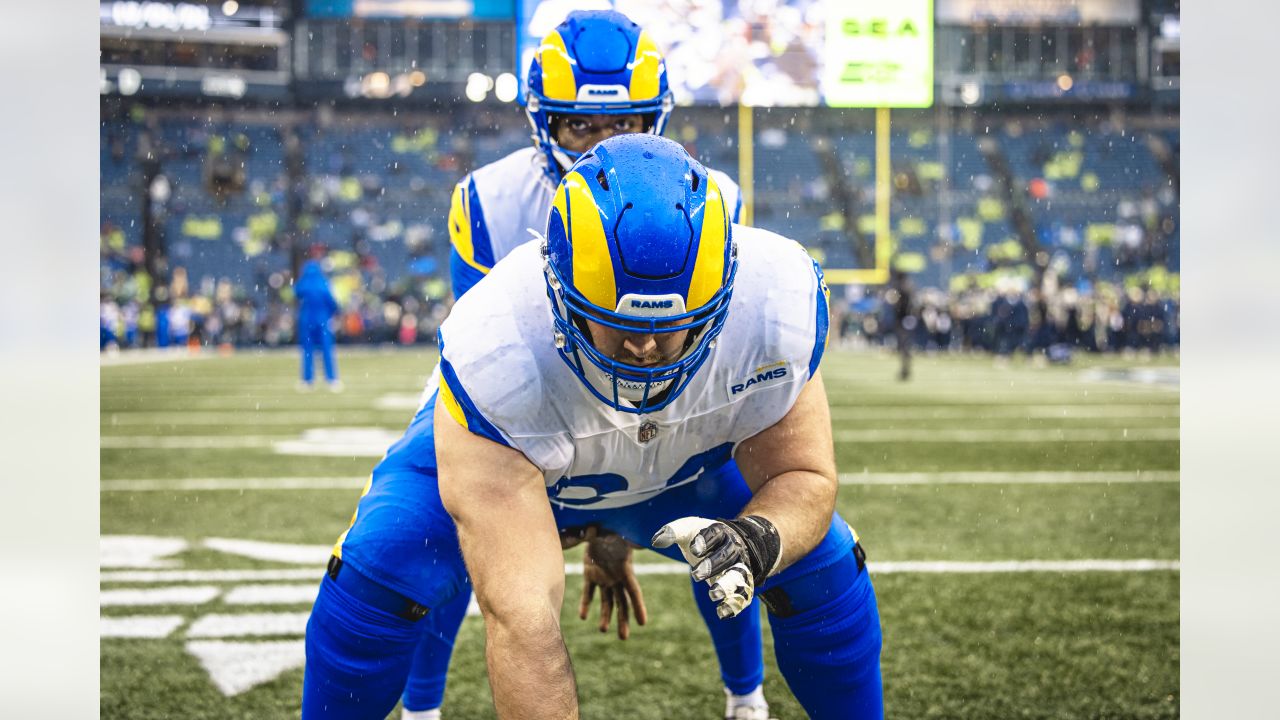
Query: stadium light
[[376, 85], [506, 87], [232, 86], [478, 86], [402, 85], [1065, 82], [230, 7], [129, 81]]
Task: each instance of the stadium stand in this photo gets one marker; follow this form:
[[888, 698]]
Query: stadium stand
[[369, 192]]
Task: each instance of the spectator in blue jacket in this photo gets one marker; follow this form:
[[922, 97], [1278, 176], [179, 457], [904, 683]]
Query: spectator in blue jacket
[[316, 307]]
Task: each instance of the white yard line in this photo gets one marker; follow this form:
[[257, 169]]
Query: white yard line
[[948, 566], [218, 625], [272, 594], [271, 416], [235, 484], [188, 442], [239, 666], [361, 441], [139, 551], [171, 576], [1009, 478], [906, 478], [292, 553], [174, 595], [144, 626], [399, 401], [1023, 566], [287, 416], [1165, 377], [674, 568], [181, 399], [144, 357], [347, 449], [979, 412], [264, 594], [982, 394], [1008, 436], [378, 439]]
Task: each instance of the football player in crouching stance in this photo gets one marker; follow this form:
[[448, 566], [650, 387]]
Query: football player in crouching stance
[[650, 369], [596, 75]]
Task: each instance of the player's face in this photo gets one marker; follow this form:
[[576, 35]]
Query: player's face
[[638, 348], [578, 133]]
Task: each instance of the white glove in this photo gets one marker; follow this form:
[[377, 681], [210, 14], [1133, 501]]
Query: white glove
[[717, 553]]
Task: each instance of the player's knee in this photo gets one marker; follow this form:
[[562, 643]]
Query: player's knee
[[832, 606], [826, 632], [357, 657], [346, 632]]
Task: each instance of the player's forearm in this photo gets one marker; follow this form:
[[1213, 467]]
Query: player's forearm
[[799, 504], [529, 668]]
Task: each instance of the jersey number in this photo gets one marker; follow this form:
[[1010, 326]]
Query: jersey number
[[590, 489]]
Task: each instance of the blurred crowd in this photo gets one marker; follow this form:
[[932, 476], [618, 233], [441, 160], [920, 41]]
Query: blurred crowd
[[1004, 318], [215, 312], [1008, 318]]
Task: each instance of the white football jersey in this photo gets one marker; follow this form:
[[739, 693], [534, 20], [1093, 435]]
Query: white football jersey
[[503, 375], [495, 207]]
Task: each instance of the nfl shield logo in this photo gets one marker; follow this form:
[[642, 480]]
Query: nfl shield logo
[[648, 431]]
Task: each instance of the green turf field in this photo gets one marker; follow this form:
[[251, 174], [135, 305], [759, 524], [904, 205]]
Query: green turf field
[[1005, 511]]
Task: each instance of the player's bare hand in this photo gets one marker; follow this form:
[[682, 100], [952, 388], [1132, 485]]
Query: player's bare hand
[[575, 536], [606, 565]]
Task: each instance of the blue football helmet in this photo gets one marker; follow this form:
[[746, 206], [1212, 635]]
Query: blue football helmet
[[638, 240], [597, 62]]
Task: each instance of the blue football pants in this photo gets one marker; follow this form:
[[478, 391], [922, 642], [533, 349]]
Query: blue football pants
[[317, 337], [359, 658], [736, 642]]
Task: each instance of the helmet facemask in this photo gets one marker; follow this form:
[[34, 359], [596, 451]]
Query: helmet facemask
[[638, 246], [594, 63], [624, 386], [560, 158]]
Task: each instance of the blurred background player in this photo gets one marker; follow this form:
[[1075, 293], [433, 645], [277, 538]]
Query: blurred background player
[[316, 307], [904, 319], [596, 75]]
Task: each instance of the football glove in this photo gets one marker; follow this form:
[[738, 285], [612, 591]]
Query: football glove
[[732, 556]]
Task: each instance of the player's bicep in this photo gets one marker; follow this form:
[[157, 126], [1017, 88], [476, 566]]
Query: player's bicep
[[800, 441], [498, 501]]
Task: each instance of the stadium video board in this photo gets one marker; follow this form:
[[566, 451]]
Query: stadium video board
[[879, 53], [866, 53], [456, 9]]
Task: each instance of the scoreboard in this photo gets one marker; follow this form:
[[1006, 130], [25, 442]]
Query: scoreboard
[[213, 49]]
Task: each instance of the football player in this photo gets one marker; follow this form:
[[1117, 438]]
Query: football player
[[316, 307], [651, 369], [595, 76]]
